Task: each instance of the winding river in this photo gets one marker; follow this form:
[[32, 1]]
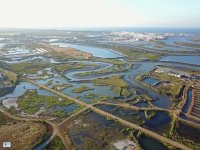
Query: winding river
[[162, 101]]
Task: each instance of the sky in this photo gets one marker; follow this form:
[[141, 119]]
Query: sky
[[99, 13]]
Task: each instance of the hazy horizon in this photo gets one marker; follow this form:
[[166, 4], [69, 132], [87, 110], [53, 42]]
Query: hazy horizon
[[99, 13]]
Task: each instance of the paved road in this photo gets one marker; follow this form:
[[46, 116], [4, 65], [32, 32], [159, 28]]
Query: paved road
[[145, 131]]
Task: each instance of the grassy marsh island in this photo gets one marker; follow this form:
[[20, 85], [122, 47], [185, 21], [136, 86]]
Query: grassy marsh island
[[24, 67], [134, 53], [188, 44], [70, 66], [113, 69], [117, 84], [31, 102], [81, 89]]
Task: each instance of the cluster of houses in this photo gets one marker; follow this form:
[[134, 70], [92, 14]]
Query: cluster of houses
[[177, 73]]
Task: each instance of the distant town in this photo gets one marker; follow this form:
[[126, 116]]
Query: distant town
[[94, 90]]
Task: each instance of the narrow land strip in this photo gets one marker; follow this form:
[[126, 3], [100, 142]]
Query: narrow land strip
[[145, 131]]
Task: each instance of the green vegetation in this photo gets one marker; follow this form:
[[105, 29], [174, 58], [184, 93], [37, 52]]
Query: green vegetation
[[96, 97], [117, 84], [97, 138], [5, 91], [12, 77], [149, 114], [112, 61], [55, 144], [173, 122], [188, 44], [69, 66], [115, 81], [166, 86], [169, 89], [81, 89], [146, 98], [125, 92], [186, 134], [8, 81], [114, 69], [60, 87], [133, 53], [24, 67], [31, 102], [172, 86], [37, 65], [48, 83], [150, 56], [141, 76]]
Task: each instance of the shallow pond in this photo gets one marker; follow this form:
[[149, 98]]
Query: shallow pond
[[91, 131], [159, 123], [95, 51], [151, 81], [86, 96], [141, 104], [188, 101], [54, 81], [158, 120], [22, 87], [148, 143], [188, 132], [194, 60], [68, 109], [97, 90]]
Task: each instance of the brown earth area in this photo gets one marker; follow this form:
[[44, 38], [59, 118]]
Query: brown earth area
[[67, 52], [23, 135]]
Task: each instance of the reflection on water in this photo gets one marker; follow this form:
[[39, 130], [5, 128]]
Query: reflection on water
[[22, 87]]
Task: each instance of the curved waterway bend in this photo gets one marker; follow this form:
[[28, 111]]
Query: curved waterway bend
[[143, 67], [72, 74], [162, 101]]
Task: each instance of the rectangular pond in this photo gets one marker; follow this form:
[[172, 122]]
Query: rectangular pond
[[150, 81], [188, 101]]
